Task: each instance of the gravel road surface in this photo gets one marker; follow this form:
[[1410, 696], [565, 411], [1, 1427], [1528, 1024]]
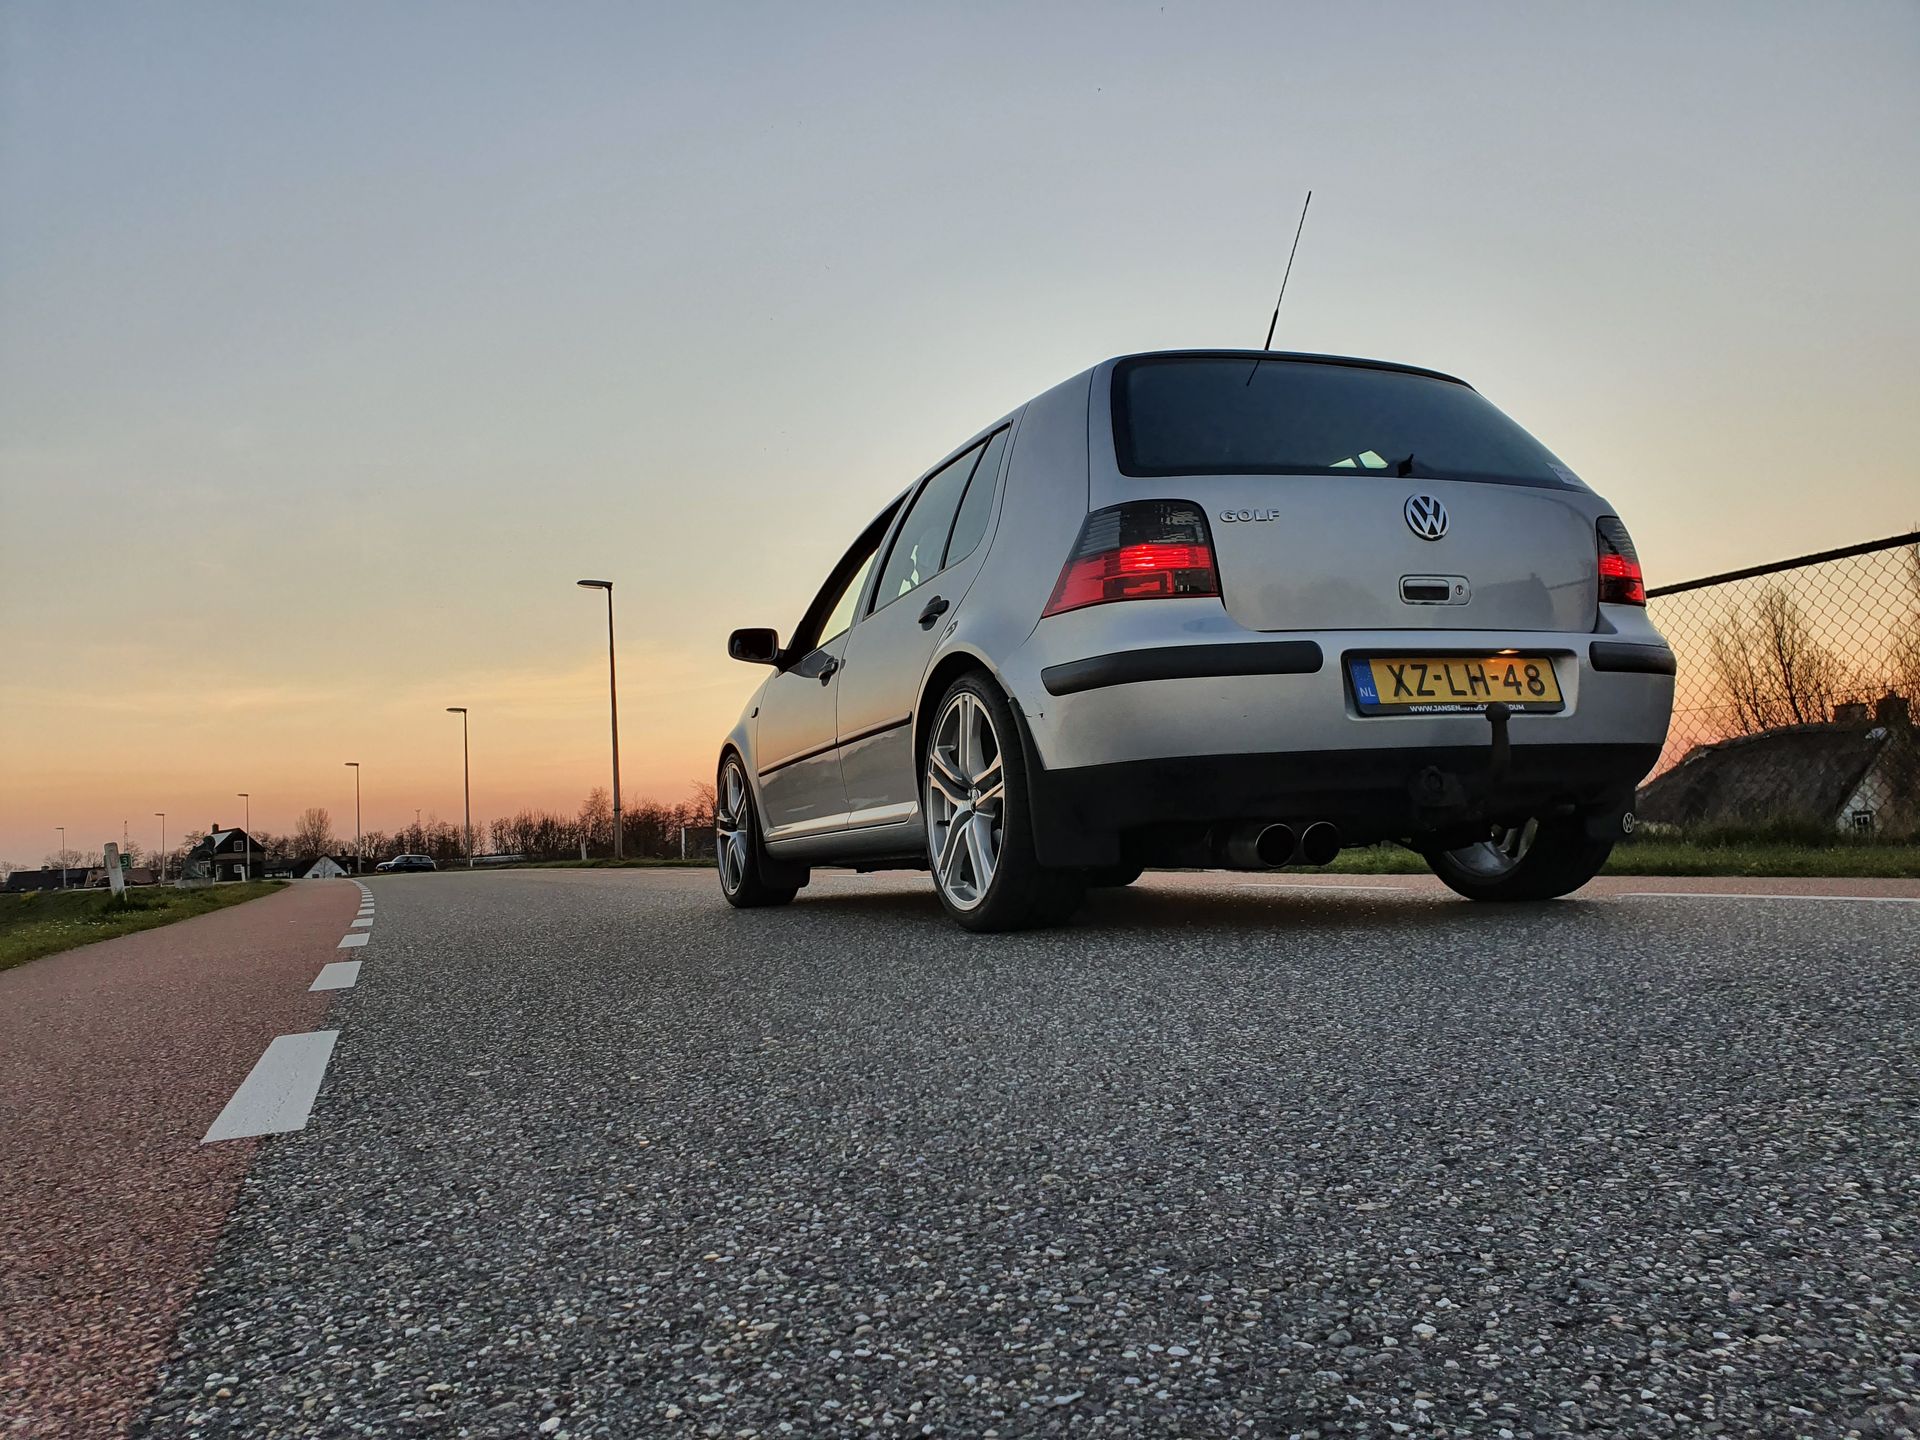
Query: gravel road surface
[[113, 1060], [597, 1156]]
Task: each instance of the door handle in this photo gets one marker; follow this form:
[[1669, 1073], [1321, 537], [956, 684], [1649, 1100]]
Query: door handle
[[936, 607], [826, 670]]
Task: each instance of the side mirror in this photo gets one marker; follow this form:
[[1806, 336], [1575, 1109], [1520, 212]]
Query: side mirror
[[755, 646]]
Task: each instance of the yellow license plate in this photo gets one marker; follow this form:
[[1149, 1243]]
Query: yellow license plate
[[1451, 684]]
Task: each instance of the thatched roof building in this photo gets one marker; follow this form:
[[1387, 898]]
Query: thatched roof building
[[1857, 774]]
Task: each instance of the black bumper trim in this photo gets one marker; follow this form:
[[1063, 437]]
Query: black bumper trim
[[1080, 815], [1182, 662], [1623, 658]]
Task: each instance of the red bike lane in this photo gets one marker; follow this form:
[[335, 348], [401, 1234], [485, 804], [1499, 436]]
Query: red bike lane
[[114, 1060]]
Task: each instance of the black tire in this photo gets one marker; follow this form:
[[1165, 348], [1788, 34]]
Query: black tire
[[1020, 892], [1557, 859], [1113, 877], [744, 872]]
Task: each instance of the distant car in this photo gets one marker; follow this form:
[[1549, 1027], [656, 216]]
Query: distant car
[[1209, 608], [406, 862]]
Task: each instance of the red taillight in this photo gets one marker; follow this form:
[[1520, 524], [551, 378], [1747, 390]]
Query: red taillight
[[1152, 549], [1621, 582]]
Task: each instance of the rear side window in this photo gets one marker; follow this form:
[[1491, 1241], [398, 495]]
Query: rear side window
[[971, 523], [1221, 415], [919, 548]]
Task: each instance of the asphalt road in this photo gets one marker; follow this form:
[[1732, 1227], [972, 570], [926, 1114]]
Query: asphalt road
[[595, 1155]]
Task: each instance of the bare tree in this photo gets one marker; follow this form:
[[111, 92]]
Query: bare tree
[[596, 819], [1773, 670], [314, 834]]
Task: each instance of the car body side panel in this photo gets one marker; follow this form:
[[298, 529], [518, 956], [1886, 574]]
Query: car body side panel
[[797, 758], [888, 658], [1043, 503]]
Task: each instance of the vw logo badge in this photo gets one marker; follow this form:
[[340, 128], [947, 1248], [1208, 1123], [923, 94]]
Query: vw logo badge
[[1426, 516]]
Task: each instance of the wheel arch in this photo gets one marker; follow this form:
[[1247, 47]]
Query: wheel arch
[[947, 669]]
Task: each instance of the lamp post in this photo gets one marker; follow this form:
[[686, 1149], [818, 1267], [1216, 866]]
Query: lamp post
[[613, 709], [466, 775], [246, 865], [354, 765], [161, 815], [62, 855]]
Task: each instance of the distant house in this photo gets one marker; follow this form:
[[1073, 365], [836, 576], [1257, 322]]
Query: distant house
[[73, 878], [1859, 774], [224, 855], [308, 867]]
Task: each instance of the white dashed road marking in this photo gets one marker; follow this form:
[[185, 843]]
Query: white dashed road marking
[[337, 975], [353, 941], [278, 1093], [363, 922], [1749, 895]]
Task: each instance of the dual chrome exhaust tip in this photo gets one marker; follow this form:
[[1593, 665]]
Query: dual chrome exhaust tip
[[1268, 847]]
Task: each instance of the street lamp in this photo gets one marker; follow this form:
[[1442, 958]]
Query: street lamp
[[62, 856], [613, 706], [162, 816], [466, 774], [246, 866], [354, 765]]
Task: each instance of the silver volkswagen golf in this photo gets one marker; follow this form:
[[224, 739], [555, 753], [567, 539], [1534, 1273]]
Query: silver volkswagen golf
[[1209, 608]]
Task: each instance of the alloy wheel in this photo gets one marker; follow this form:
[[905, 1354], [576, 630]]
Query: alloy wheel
[[733, 826], [966, 801], [1498, 855]]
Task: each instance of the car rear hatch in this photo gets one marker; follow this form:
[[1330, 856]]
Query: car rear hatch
[[1352, 497], [1312, 553]]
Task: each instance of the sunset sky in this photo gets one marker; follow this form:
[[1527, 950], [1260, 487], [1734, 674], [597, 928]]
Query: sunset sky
[[337, 341]]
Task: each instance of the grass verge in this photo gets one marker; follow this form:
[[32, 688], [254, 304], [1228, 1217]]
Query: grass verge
[[49, 921]]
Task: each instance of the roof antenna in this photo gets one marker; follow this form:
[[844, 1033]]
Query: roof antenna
[[1274, 323]]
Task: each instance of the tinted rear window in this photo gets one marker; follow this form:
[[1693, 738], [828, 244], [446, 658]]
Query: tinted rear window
[[1207, 415]]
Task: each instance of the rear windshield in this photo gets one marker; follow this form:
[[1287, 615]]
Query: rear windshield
[[1218, 415]]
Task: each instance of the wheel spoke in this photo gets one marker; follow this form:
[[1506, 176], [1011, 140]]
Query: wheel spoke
[[980, 852], [991, 782], [987, 774], [966, 738], [950, 855], [942, 776]]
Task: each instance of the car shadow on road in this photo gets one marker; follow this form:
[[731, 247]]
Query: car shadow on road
[[1248, 908]]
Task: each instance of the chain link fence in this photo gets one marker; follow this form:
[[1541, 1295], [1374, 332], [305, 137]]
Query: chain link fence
[[1793, 707]]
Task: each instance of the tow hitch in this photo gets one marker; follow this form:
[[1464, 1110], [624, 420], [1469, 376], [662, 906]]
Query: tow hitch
[[1501, 760], [1440, 798]]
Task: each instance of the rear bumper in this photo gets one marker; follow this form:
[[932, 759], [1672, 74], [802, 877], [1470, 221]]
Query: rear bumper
[[1147, 723], [1165, 810], [1156, 681]]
